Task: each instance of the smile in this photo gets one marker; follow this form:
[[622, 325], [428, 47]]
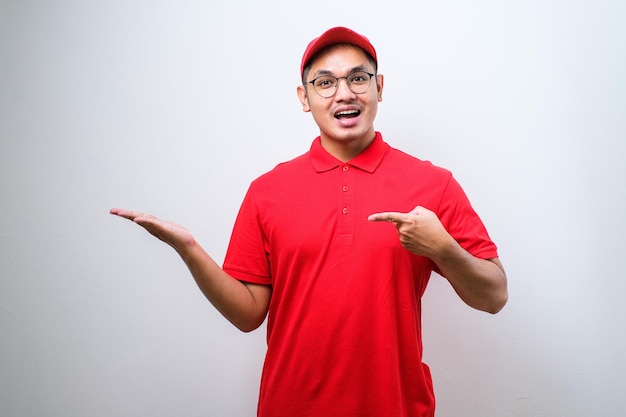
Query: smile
[[347, 114]]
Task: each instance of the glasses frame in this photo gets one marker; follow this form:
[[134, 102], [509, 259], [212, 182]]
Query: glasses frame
[[312, 82]]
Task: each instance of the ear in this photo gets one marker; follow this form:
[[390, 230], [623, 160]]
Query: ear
[[304, 99], [380, 81]]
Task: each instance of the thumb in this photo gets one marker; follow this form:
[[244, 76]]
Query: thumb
[[420, 210]]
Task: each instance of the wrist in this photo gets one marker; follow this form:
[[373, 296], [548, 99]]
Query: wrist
[[448, 252], [187, 248]]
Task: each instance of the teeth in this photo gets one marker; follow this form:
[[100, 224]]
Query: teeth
[[346, 113]]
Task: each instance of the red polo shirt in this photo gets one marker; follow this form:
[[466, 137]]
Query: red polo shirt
[[344, 333]]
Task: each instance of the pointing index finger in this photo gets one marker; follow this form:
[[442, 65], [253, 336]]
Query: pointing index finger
[[388, 216]]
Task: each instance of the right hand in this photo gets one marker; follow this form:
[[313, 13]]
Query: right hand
[[171, 233]]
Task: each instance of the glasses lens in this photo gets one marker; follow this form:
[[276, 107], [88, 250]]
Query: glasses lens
[[325, 86], [359, 82]]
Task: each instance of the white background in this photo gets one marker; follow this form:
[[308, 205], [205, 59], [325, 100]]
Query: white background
[[174, 107]]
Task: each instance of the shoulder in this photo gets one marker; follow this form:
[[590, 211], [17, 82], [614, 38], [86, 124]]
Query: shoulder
[[404, 162], [283, 172]]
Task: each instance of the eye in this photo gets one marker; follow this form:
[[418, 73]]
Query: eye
[[325, 82], [359, 78]]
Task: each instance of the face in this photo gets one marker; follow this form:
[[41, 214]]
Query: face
[[345, 119]]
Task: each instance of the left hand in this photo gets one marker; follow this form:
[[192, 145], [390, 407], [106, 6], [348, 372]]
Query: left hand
[[420, 231], [481, 283]]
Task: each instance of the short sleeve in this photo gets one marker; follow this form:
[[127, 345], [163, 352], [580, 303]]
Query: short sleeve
[[462, 222], [247, 255]]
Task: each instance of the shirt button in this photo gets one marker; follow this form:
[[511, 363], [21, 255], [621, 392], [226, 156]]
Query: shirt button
[[346, 168], [345, 210], [345, 188]]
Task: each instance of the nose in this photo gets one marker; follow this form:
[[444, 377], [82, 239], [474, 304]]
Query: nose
[[343, 90]]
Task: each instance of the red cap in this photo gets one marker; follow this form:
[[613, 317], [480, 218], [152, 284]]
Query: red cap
[[333, 36]]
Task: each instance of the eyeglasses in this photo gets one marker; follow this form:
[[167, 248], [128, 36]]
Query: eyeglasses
[[326, 85]]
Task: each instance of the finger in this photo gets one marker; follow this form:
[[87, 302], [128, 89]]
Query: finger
[[127, 214], [146, 220], [389, 216]]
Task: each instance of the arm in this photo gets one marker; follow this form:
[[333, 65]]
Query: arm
[[244, 304], [481, 283]]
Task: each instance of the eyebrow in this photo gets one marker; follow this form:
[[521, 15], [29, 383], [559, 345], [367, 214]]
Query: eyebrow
[[321, 72]]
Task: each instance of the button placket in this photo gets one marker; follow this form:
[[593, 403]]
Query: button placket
[[345, 197]]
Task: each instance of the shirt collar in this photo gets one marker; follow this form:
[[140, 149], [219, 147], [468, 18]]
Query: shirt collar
[[368, 160]]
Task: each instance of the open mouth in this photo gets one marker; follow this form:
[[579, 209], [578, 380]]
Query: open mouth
[[348, 114]]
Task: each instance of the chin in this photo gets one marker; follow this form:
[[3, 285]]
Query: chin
[[352, 134]]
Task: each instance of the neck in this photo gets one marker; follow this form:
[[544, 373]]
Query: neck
[[346, 150]]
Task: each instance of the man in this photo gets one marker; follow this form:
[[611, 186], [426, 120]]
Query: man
[[341, 288]]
